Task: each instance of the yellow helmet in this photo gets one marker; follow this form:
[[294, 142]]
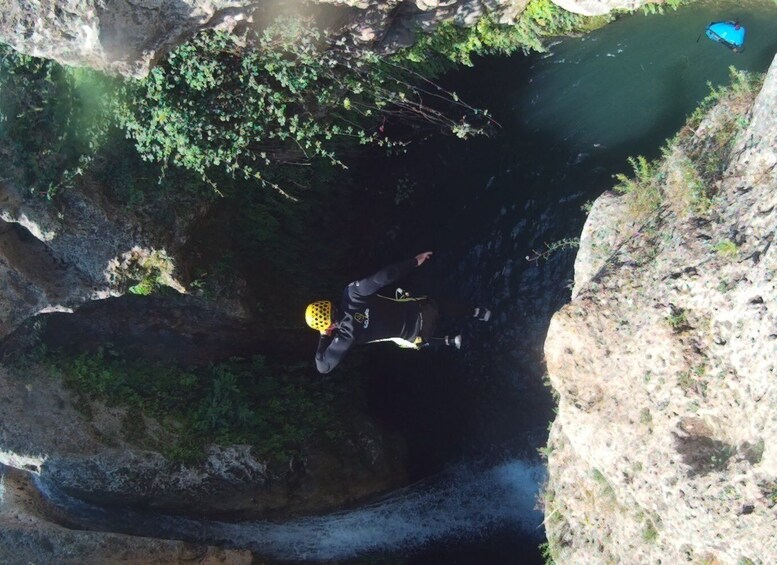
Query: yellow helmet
[[318, 315]]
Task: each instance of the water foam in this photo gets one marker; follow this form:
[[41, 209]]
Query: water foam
[[466, 503], [463, 503]]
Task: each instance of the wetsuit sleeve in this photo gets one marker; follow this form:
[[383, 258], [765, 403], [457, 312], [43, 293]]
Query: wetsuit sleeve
[[330, 352], [384, 277]]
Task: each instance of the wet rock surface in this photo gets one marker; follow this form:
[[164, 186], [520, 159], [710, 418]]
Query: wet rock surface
[[30, 534], [97, 459]]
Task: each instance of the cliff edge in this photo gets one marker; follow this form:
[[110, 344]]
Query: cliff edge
[[665, 362]]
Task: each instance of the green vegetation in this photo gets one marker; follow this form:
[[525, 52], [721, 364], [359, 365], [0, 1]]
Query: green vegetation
[[678, 320], [727, 248], [144, 272], [605, 487], [553, 519], [644, 187], [547, 553], [551, 248], [742, 84], [246, 105], [770, 491], [697, 190], [52, 120], [703, 156], [222, 106], [277, 410], [649, 532], [660, 8], [450, 44], [710, 153]]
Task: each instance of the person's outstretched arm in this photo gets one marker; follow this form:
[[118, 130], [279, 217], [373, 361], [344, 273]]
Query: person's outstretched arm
[[387, 276], [331, 351]]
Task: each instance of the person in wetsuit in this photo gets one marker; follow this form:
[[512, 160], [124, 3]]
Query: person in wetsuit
[[364, 316]]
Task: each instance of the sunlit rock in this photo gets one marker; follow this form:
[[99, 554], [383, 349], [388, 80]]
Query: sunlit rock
[[665, 361], [56, 261], [29, 533], [601, 7], [118, 36]]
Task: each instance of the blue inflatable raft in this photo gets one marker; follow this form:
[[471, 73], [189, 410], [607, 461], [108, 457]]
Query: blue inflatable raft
[[730, 34]]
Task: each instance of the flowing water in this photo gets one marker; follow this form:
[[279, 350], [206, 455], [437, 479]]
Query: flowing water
[[474, 418], [435, 509]]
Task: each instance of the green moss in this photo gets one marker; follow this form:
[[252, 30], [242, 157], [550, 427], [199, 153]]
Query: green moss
[[275, 409], [727, 248], [649, 532]]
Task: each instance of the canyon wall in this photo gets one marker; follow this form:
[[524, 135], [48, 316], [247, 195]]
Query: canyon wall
[[665, 361]]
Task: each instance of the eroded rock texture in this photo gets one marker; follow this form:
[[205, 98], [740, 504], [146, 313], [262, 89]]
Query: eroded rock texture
[[120, 36], [665, 361], [57, 257]]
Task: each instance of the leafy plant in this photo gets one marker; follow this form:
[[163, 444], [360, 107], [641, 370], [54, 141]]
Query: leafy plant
[[551, 248], [286, 96], [546, 551], [452, 44], [52, 120], [660, 8], [643, 187]]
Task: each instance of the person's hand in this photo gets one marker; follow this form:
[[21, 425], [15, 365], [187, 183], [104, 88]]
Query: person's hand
[[421, 257]]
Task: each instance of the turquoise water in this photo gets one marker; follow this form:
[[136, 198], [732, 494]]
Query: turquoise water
[[635, 79]]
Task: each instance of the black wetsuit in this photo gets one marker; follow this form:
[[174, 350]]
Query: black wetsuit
[[365, 316]]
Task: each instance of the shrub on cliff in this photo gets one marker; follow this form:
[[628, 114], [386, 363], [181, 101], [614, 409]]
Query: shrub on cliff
[[243, 105], [451, 44]]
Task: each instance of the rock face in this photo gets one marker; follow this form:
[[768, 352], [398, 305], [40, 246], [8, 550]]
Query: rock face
[[128, 37], [665, 363], [27, 535], [600, 7], [56, 257], [119, 36], [99, 459]]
